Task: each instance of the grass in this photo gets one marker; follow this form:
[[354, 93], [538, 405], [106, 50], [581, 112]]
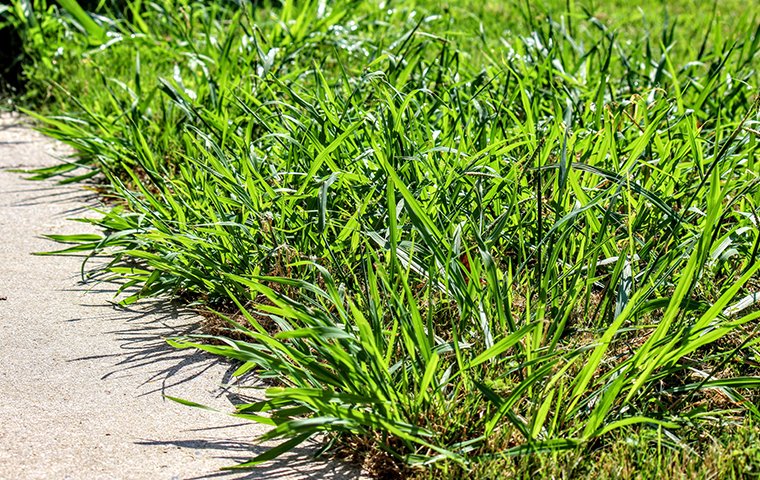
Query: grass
[[481, 239]]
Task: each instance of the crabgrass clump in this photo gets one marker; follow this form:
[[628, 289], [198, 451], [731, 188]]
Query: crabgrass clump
[[451, 236]]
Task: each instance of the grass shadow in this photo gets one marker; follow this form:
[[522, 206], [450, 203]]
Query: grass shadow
[[141, 330]]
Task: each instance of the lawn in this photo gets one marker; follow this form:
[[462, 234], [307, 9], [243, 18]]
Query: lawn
[[483, 239]]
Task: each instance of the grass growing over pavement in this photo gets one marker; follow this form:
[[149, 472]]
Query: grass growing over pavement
[[474, 238]]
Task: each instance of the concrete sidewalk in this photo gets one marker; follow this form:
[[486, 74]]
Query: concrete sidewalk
[[81, 381]]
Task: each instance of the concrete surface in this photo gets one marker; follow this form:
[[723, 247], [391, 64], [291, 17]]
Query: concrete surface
[[81, 381]]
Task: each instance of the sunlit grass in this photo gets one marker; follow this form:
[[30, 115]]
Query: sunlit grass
[[449, 234]]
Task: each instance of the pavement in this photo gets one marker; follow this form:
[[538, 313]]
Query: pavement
[[81, 380]]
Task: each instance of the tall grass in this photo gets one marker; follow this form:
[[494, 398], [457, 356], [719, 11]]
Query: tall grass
[[445, 243]]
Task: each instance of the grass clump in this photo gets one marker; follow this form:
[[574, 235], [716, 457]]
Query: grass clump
[[460, 238]]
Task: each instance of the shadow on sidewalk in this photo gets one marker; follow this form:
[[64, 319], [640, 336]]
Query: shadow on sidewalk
[[142, 333], [297, 464]]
